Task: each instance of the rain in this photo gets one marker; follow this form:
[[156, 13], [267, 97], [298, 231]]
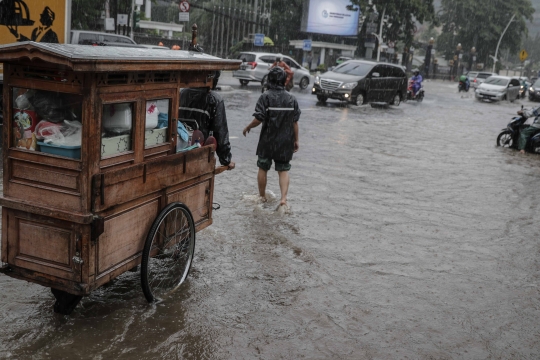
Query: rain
[[409, 233]]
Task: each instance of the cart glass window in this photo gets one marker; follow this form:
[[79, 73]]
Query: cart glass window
[[117, 131], [156, 122], [47, 121]]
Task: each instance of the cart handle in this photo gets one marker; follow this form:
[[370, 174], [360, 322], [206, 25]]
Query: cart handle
[[220, 169]]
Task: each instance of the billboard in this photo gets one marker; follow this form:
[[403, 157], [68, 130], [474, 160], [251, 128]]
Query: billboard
[[333, 17], [33, 20]]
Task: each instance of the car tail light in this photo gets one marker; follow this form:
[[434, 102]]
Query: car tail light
[[474, 80], [253, 64]]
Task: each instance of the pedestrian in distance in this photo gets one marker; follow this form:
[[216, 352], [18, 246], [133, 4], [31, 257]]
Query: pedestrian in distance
[[278, 112]]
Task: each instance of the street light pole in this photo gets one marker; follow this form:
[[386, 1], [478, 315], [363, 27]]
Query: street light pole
[[499, 43], [379, 37]]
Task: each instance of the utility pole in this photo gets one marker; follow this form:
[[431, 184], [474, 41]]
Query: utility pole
[[213, 30], [499, 43], [380, 35]]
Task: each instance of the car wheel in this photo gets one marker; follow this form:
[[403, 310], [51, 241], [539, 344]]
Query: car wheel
[[360, 99], [322, 98], [244, 82], [304, 82], [396, 100]]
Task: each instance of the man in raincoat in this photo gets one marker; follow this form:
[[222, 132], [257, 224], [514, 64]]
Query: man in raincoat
[[527, 132], [417, 81], [278, 112], [207, 108]]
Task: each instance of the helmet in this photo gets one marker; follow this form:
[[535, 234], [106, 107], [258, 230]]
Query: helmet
[[279, 57], [277, 76], [416, 71]]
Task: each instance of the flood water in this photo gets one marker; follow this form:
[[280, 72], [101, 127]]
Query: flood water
[[410, 236]]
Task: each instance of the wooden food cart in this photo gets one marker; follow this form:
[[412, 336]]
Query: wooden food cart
[[93, 182]]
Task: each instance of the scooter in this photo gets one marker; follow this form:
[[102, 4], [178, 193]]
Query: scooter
[[509, 136], [463, 85], [419, 96]]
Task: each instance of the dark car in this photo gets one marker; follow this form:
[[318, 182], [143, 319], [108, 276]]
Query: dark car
[[359, 82], [534, 91]]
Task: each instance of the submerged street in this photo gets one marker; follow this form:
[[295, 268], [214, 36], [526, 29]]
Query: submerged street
[[410, 235]]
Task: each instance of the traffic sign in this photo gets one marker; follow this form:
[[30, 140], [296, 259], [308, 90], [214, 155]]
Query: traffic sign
[[183, 16], [259, 40], [307, 45], [183, 6], [523, 55]]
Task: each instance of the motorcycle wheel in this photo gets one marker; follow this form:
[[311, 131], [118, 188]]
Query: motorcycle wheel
[[359, 99], [420, 97], [505, 139]]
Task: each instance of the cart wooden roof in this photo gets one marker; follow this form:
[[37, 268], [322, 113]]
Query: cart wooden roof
[[86, 58]]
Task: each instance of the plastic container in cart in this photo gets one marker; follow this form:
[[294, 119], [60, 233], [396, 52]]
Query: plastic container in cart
[[73, 152]]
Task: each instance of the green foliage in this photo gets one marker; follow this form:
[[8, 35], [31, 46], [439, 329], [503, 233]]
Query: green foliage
[[321, 67], [402, 17], [481, 23]]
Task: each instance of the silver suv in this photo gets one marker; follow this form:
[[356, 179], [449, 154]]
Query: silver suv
[[255, 67]]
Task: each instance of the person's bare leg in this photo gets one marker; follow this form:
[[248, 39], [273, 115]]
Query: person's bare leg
[[261, 180], [283, 186]]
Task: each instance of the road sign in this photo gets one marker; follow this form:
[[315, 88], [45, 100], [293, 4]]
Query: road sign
[[109, 24], [259, 40], [122, 19], [307, 45], [183, 16], [183, 6], [523, 55]]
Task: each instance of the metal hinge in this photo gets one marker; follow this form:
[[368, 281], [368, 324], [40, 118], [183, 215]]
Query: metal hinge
[[77, 260], [98, 227]]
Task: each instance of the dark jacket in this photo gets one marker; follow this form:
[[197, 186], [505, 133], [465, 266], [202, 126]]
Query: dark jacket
[[278, 111], [208, 109]]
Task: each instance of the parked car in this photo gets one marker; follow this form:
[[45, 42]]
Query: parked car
[[359, 82], [480, 78], [83, 37], [534, 91], [255, 67], [498, 88]]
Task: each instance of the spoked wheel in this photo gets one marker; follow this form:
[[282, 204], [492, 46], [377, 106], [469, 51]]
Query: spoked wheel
[[505, 139], [168, 252]]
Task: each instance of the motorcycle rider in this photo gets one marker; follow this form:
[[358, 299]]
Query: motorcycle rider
[[416, 82], [526, 133], [465, 80], [279, 62]]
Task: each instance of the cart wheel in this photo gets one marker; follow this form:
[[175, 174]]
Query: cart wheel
[[168, 251], [65, 302]]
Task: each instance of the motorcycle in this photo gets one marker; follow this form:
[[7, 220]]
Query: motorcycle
[[463, 85], [509, 136], [419, 96]]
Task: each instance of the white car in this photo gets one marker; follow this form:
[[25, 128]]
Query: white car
[[498, 88]]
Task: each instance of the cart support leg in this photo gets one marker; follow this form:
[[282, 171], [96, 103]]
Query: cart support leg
[[65, 302]]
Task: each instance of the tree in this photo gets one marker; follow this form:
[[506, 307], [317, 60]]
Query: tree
[[481, 23], [402, 17], [86, 14]]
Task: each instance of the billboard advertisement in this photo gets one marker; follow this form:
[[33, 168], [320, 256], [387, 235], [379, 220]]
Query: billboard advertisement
[[333, 17], [33, 20]]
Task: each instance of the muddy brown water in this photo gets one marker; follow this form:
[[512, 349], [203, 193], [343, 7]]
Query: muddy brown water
[[410, 236]]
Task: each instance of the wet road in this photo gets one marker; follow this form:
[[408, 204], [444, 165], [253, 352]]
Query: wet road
[[410, 236]]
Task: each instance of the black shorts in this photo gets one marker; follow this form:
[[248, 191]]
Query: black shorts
[[266, 164]]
